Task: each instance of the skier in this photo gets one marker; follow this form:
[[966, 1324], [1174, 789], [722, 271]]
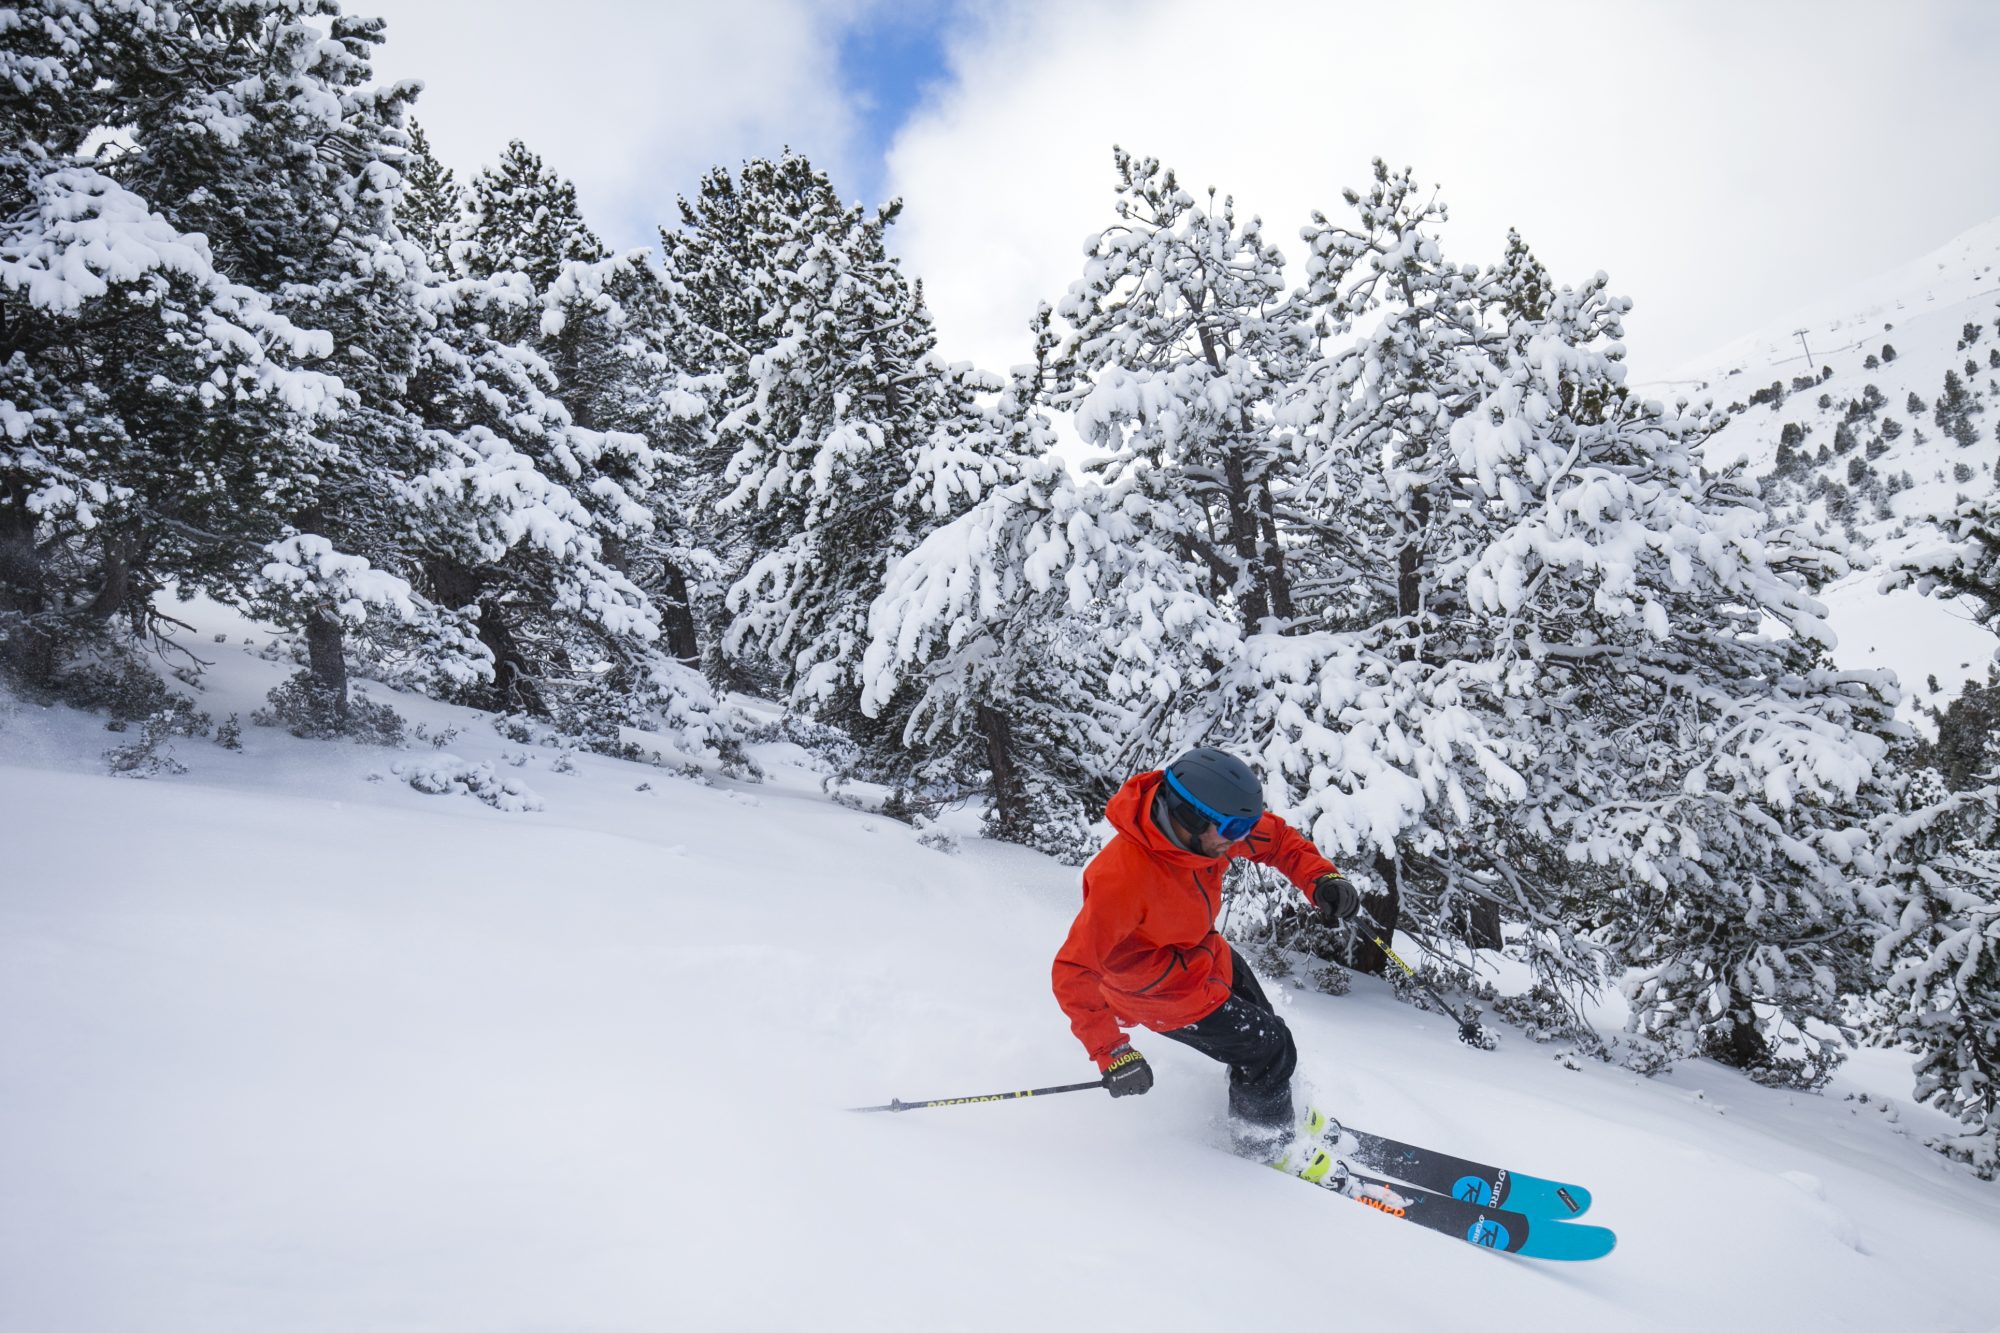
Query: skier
[[1144, 952]]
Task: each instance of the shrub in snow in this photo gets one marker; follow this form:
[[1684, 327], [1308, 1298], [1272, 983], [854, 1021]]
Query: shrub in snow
[[1547, 1014], [1330, 979], [523, 730], [445, 774], [149, 755], [1643, 1055], [118, 681], [310, 710], [830, 750], [938, 840]]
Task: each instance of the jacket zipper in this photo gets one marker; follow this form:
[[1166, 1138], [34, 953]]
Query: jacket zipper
[[1179, 957]]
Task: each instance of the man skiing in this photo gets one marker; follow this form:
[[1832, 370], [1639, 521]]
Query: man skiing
[[1144, 952]]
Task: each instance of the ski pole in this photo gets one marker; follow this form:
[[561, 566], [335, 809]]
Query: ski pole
[[1469, 1030], [896, 1104]]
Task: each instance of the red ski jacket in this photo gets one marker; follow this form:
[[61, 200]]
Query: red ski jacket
[[1143, 952]]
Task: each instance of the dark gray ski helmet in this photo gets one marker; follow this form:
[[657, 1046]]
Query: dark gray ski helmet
[[1210, 786]]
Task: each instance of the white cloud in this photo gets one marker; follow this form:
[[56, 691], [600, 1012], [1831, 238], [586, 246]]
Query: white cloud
[[633, 102], [1725, 163]]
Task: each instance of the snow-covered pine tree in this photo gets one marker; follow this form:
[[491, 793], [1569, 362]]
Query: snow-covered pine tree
[[431, 211], [583, 312], [1939, 958], [710, 279], [824, 420], [1956, 407], [606, 333], [302, 198], [541, 385], [1966, 565], [521, 217], [1179, 332], [722, 259], [723, 278], [1544, 677], [991, 627], [1137, 579], [159, 407], [609, 332], [508, 538]]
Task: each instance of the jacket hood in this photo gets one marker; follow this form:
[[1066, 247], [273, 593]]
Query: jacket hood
[[1131, 813]]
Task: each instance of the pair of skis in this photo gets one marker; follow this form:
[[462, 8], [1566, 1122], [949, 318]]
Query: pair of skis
[[1488, 1206]]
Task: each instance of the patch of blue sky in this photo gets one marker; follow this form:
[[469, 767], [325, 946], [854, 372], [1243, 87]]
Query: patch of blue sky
[[890, 61]]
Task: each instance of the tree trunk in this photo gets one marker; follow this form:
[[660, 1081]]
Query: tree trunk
[[1243, 536], [1275, 576], [677, 615], [1745, 1047], [1010, 799], [28, 648], [326, 657], [1409, 573], [615, 553], [1243, 533], [514, 688], [1385, 908], [115, 592], [1482, 924]]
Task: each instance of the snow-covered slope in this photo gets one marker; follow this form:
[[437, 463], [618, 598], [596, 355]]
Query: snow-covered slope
[[1911, 324], [1928, 298], [283, 1048]]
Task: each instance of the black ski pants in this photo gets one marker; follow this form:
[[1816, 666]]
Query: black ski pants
[[1247, 1035]]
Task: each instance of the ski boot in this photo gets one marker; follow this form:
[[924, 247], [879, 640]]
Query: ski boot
[[1319, 1153]]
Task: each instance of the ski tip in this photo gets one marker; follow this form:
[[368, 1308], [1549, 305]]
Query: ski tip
[[1569, 1241]]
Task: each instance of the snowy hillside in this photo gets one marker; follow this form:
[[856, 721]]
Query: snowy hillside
[[1839, 410], [287, 1044]]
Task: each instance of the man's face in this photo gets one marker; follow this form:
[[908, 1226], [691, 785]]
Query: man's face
[[1212, 843]]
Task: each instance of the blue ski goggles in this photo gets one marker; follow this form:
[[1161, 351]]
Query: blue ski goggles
[[1233, 828]]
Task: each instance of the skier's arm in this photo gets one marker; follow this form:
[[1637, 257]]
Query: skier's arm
[[1108, 919], [1277, 844]]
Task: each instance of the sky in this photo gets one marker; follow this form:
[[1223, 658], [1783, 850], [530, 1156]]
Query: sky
[[1725, 163]]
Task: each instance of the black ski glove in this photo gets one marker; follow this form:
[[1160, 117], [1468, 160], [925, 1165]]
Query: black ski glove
[[1128, 1074], [1336, 899]]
